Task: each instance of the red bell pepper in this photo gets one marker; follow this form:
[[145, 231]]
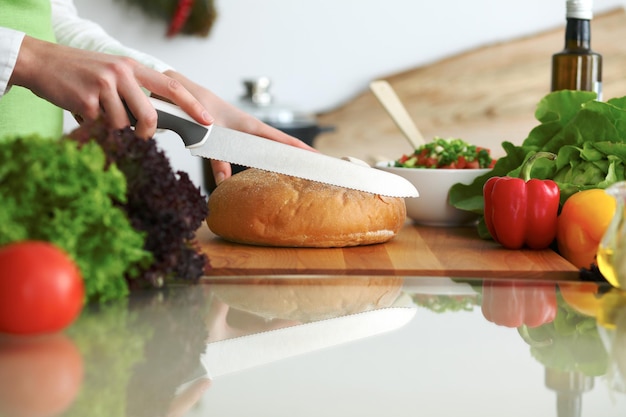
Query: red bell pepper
[[519, 303], [522, 211]]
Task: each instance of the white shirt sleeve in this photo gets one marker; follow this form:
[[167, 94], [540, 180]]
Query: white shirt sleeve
[[72, 30], [10, 42]]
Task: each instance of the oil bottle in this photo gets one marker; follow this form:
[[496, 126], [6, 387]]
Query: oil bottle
[[577, 66]]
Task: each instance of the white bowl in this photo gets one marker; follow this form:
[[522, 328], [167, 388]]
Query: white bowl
[[432, 207]]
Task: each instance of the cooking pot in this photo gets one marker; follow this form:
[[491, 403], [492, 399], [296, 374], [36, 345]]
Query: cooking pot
[[259, 102]]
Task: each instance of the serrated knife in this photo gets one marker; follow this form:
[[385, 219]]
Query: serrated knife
[[245, 352], [223, 144]]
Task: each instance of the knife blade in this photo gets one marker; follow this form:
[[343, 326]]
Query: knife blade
[[223, 144], [241, 353]]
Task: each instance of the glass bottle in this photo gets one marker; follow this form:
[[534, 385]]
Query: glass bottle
[[611, 256], [577, 67], [569, 387]]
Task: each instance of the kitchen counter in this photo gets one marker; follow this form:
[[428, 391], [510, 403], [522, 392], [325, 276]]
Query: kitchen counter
[[428, 324], [311, 345]]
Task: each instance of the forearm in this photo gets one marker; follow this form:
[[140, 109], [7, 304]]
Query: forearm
[[72, 30]]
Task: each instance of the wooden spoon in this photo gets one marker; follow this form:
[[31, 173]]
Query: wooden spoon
[[391, 102]]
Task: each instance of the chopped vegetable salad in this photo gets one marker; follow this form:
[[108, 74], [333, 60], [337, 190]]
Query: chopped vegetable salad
[[447, 154]]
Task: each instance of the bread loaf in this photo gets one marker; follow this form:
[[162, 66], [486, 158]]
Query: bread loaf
[[265, 208], [307, 299]]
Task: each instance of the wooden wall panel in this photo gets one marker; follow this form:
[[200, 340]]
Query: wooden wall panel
[[485, 96]]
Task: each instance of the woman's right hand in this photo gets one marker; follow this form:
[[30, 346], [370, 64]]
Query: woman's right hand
[[92, 85]]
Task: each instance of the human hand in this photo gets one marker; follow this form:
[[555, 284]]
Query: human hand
[[92, 85], [230, 116], [185, 400]]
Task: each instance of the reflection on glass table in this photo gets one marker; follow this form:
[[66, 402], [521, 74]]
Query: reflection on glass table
[[336, 346]]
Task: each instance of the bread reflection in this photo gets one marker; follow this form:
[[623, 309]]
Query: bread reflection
[[257, 321], [248, 305]]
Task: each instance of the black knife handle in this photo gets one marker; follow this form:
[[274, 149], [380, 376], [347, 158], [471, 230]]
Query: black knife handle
[[172, 117]]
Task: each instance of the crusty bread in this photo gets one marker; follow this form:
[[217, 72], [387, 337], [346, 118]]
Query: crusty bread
[[265, 208], [308, 299]]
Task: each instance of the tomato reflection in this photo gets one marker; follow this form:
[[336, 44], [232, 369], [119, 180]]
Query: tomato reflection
[[39, 376]]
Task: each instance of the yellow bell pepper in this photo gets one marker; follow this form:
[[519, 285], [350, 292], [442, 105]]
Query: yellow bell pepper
[[583, 221], [582, 297]]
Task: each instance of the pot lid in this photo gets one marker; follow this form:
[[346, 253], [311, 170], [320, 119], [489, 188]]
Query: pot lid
[[259, 101]]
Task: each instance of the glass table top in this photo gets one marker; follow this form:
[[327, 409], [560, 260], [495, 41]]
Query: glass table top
[[332, 346]]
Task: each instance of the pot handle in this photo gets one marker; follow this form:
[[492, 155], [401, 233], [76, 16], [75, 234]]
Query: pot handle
[[325, 129]]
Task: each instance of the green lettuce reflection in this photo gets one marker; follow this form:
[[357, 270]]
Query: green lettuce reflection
[[111, 341], [570, 343], [137, 352]]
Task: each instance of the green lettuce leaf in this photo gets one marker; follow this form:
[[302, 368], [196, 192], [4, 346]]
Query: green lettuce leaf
[[56, 191], [588, 136]]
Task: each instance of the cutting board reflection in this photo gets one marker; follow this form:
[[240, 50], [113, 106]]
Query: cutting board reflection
[[416, 251]]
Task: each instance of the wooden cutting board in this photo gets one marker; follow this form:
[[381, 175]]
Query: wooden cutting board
[[416, 251], [484, 96]]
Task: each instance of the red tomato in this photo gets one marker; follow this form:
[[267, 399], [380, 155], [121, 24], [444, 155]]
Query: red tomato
[[40, 376], [41, 290], [427, 161]]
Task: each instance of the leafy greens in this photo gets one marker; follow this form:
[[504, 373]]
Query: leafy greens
[[573, 343], [59, 192], [163, 204], [588, 136], [108, 198]]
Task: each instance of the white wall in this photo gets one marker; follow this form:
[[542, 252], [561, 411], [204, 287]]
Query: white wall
[[322, 53]]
